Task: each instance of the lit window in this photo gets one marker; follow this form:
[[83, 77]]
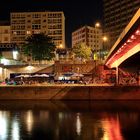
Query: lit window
[[28, 32]]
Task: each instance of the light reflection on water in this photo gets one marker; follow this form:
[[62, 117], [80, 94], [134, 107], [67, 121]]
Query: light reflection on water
[[29, 120], [111, 127], [68, 124], [78, 124], [15, 130], [4, 115]]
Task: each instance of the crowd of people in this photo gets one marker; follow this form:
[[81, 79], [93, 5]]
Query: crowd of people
[[127, 80]]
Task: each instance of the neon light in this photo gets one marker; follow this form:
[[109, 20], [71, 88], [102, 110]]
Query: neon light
[[129, 40], [138, 32], [131, 52], [133, 37]]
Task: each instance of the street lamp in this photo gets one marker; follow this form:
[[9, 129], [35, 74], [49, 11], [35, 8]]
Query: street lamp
[[105, 39], [60, 46], [96, 26]]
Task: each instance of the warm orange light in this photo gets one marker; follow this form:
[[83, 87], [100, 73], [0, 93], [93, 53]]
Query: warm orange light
[[112, 130], [97, 24], [105, 38], [60, 46], [28, 32]]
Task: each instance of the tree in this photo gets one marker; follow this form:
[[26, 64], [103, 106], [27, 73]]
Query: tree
[[82, 51], [39, 47]]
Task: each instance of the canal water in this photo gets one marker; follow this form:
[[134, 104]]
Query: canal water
[[69, 120]]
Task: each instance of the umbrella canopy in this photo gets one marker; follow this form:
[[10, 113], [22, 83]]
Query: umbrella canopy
[[44, 75], [36, 75], [25, 76], [40, 75], [18, 76]]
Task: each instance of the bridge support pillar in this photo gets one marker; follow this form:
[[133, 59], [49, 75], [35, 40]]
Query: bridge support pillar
[[117, 75]]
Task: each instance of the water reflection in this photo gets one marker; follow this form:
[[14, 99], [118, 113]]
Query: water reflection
[[111, 127], [3, 125], [78, 124], [29, 120], [69, 123], [15, 130]]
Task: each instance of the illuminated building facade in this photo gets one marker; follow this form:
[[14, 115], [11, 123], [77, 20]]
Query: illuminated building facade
[[7, 49], [24, 24], [91, 36], [4, 33], [117, 14]]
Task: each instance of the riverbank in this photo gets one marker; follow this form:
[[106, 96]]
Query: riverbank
[[69, 92]]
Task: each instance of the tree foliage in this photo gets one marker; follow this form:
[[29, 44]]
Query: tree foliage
[[39, 47], [82, 51]]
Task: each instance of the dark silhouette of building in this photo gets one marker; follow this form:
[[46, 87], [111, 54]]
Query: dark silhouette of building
[[117, 14]]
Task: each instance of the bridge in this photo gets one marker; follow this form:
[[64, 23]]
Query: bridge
[[125, 53]]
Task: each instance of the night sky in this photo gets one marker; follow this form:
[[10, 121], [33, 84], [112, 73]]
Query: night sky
[[77, 12]]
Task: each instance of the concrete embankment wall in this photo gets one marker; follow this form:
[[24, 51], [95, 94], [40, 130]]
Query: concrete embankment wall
[[70, 92]]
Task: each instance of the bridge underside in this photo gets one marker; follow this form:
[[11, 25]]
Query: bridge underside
[[133, 61], [125, 54], [126, 50], [129, 50]]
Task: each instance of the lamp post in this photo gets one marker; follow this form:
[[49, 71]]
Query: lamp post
[[105, 39], [97, 26], [94, 50], [97, 49]]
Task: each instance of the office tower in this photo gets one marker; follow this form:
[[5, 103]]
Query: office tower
[[117, 14]]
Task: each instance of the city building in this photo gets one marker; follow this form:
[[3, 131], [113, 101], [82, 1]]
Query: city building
[[5, 32], [91, 36], [24, 24], [117, 14], [7, 49]]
